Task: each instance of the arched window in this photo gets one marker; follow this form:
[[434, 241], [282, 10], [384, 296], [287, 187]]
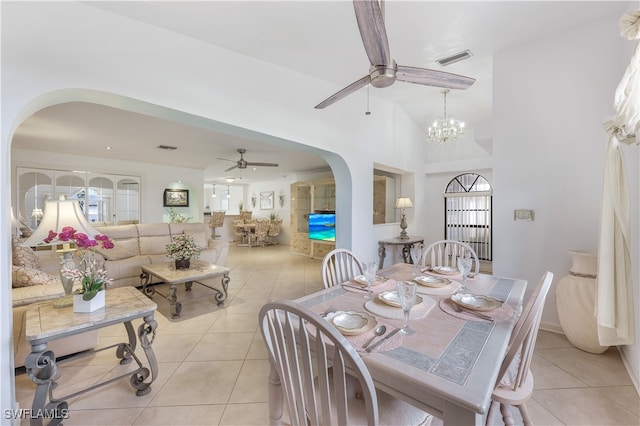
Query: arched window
[[468, 212]]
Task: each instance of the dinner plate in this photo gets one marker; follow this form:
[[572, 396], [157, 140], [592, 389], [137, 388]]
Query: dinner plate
[[391, 298], [431, 281], [362, 280], [476, 302], [445, 270], [351, 323]]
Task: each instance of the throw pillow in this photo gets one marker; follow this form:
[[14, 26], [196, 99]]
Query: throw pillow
[[115, 253], [25, 277], [24, 256], [200, 238]]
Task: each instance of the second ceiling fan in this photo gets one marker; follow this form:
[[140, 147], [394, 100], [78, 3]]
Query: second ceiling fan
[[384, 71], [242, 163]]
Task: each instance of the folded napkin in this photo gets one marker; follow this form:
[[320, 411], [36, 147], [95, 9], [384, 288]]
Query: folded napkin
[[357, 287], [500, 314]]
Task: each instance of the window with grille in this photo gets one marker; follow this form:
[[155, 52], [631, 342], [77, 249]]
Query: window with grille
[[468, 213]]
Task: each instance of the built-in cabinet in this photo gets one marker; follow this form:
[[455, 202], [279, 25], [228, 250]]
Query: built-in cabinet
[[104, 198], [310, 197]]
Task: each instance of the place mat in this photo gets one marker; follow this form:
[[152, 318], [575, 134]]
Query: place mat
[[439, 291], [387, 285], [358, 340], [502, 313], [379, 308]]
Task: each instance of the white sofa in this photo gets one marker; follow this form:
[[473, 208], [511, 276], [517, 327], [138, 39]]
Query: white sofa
[[143, 244]]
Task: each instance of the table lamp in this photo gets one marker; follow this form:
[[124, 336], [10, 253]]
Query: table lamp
[[403, 203], [57, 215]]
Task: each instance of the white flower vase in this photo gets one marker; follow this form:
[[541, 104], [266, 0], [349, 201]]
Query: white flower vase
[[83, 306], [575, 299]]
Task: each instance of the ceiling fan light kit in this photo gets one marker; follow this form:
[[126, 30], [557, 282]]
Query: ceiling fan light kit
[[446, 128], [384, 71]]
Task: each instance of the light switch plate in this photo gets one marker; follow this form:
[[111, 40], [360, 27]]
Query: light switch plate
[[524, 215]]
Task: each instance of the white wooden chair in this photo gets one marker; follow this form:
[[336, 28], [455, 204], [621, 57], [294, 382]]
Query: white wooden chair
[[515, 383], [312, 358], [447, 252], [338, 266]]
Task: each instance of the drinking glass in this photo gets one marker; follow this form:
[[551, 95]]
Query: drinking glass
[[407, 295], [416, 257], [370, 269], [464, 266]]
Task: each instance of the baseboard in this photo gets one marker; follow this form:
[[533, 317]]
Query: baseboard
[[554, 328], [628, 365]]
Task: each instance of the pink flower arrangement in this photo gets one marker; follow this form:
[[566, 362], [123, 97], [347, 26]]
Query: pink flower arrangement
[[92, 278]]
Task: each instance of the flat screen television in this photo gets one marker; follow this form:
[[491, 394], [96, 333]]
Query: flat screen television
[[322, 226]]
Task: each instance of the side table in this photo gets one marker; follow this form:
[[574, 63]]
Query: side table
[[406, 248], [45, 323]]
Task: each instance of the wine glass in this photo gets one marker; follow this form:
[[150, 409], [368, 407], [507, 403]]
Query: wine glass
[[406, 291], [370, 269], [464, 266], [416, 256]]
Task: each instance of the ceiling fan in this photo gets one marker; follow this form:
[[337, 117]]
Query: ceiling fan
[[242, 163], [384, 71]]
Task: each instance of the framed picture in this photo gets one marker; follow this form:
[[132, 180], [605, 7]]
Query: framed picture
[[176, 198], [266, 200]]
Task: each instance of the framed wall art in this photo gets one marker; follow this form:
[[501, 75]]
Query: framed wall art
[[176, 198], [266, 200]]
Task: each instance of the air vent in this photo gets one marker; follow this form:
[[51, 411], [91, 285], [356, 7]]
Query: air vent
[[168, 147], [455, 58]]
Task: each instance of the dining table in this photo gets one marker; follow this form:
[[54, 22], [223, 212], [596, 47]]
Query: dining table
[[449, 365]]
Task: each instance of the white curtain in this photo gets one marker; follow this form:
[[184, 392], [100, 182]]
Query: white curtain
[[614, 304]]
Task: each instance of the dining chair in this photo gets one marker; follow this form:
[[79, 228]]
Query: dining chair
[[312, 358], [216, 221], [274, 231], [515, 381], [338, 266], [447, 252], [260, 235], [245, 215]]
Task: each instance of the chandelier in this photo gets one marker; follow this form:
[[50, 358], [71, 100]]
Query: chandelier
[[445, 129]]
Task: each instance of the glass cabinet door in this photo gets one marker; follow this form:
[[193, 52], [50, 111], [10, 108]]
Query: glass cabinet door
[[128, 201]]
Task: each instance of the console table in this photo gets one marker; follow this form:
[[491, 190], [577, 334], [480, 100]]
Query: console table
[[406, 244], [45, 323]]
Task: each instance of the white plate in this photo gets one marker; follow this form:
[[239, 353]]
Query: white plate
[[351, 323], [391, 298], [445, 270], [362, 280], [431, 281], [476, 302]]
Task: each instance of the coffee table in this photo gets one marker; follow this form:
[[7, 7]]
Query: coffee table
[[199, 270], [46, 322]]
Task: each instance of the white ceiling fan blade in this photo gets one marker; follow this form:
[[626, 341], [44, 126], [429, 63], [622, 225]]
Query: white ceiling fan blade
[[433, 78], [231, 168], [262, 164], [226, 159], [344, 92], [372, 31]]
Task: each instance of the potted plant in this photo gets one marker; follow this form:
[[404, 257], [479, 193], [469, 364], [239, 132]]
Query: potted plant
[[93, 278], [273, 216], [182, 249]]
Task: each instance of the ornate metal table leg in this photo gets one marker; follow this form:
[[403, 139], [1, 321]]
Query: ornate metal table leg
[[221, 296], [144, 280], [42, 370], [382, 252], [406, 253], [146, 329], [124, 350], [176, 307]]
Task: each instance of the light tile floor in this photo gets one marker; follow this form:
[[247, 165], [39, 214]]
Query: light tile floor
[[213, 365]]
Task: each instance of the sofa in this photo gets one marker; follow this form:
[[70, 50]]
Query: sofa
[[35, 276], [143, 244]]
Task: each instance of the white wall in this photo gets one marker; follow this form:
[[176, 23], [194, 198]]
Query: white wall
[[551, 97]]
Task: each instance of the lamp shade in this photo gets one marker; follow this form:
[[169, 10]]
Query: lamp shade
[[403, 203], [57, 215]]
